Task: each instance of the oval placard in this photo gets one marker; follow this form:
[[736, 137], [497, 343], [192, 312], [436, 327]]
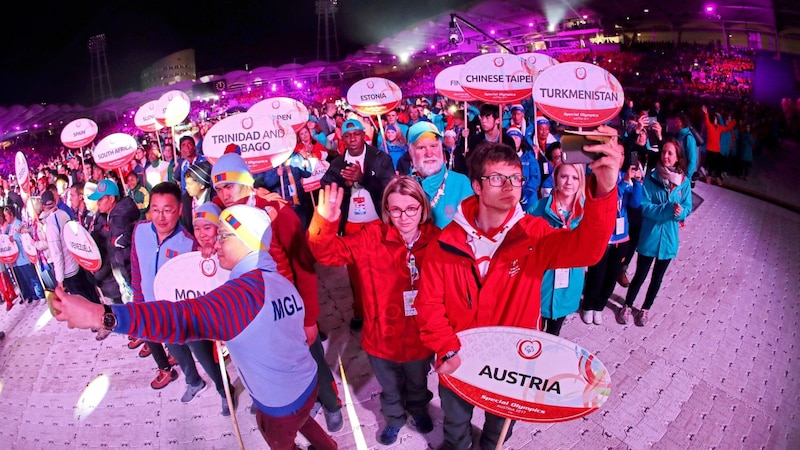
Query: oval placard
[[81, 245], [8, 249], [264, 142], [22, 172], [528, 375], [114, 151], [172, 108], [497, 78], [374, 96], [283, 110], [145, 117], [78, 133], [536, 63], [578, 94], [314, 182], [28, 246], [448, 83], [188, 275]]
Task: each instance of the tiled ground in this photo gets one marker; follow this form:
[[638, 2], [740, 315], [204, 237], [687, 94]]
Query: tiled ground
[[716, 367]]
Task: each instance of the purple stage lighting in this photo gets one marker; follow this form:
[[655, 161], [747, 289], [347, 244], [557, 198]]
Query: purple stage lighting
[[710, 8]]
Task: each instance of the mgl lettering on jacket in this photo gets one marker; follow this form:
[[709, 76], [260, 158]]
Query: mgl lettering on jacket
[[286, 306]]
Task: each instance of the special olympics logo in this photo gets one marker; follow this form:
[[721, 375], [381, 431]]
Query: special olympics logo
[[499, 61], [79, 124], [371, 84], [580, 73], [529, 349], [208, 267], [276, 104], [532, 60], [151, 106], [247, 123]]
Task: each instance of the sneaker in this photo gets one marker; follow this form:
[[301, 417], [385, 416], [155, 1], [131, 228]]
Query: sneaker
[[423, 423], [622, 279], [389, 435], [226, 411], [102, 334], [172, 361], [624, 315], [163, 378], [145, 351], [598, 317], [134, 342], [356, 323], [192, 391], [586, 317], [333, 420], [641, 318]]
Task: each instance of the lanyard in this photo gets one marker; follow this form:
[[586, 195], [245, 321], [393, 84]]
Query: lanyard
[[411, 261]]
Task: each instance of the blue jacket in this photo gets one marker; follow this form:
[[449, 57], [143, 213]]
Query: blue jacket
[[628, 194], [396, 151], [457, 187], [659, 235], [746, 143], [533, 178], [689, 144], [557, 303]]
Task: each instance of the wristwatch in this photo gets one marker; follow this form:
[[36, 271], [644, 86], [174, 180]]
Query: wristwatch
[[109, 319], [449, 355]]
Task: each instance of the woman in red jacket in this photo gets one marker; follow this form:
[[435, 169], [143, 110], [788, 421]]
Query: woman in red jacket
[[714, 159], [388, 256]]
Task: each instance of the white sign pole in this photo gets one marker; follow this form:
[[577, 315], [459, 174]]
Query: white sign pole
[[228, 396]]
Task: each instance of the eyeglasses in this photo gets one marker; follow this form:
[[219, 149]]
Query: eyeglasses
[[498, 180], [221, 237], [411, 211], [163, 212]]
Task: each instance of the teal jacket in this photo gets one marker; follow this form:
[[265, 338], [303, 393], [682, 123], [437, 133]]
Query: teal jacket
[[659, 235], [557, 303]]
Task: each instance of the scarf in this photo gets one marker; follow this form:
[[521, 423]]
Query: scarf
[[669, 176]]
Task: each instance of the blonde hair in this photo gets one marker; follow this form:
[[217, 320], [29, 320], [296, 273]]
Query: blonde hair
[[406, 185], [581, 194]]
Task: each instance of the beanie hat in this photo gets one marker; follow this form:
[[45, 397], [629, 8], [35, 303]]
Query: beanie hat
[[201, 172], [231, 168], [514, 131], [419, 129], [250, 224], [517, 107], [209, 212], [391, 128], [450, 133]]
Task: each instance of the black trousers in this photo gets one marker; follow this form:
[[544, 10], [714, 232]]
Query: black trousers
[[643, 264], [602, 277]]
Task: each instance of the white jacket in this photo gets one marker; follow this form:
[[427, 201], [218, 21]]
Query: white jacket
[[64, 264]]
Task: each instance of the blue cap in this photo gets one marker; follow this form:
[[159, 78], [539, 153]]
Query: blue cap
[[419, 128], [352, 125], [104, 187]]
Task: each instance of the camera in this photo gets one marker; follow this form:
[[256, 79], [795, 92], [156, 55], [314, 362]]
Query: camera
[[454, 38]]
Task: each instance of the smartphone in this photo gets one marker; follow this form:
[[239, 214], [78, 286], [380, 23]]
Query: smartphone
[[572, 149], [651, 121]]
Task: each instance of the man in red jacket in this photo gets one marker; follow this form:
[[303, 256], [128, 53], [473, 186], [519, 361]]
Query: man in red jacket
[[486, 268], [289, 248]]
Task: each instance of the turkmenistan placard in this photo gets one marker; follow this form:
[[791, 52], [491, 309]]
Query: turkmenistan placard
[[81, 245], [528, 375], [8, 249], [374, 96], [497, 78], [114, 151], [188, 275], [578, 94], [287, 111], [264, 142], [145, 117], [448, 83], [78, 133]]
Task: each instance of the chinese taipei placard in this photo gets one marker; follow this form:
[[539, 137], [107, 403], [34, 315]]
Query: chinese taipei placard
[[497, 78], [537, 63], [188, 275], [283, 110], [528, 375], [264, 142], [578, 94], [374, 96]]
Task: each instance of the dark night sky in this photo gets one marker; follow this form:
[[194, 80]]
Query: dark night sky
[[45, 59]]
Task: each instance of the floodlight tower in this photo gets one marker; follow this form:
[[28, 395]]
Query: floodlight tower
[[101, 80], [326, 11]]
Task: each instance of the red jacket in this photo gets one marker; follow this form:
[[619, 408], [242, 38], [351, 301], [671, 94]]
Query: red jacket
[[452, 298], [713, 133], [290, 251], [380, 256]]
